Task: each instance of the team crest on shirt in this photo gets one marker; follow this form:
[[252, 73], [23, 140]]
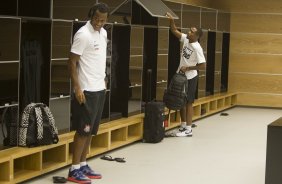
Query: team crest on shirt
[[87, 128], [186, 52]]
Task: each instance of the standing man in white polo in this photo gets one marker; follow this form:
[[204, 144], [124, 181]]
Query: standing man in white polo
[[87, 65]]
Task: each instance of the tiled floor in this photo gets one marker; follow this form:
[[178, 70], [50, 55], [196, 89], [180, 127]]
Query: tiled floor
[[223, 150]]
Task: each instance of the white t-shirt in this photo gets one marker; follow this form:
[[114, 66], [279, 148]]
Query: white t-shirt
[[191, 55], [91, 45]]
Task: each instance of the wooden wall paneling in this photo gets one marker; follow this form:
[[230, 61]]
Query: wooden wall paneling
[[256, 63], [256, 43], [259, 99], [250, 6], [255, 83], [256, 23], [255, 49], [191, 16]]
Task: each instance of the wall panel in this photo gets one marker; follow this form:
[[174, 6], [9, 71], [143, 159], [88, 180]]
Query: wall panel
[[255, 63], [256, 43], [259, 99], [250, 6], [255, 83], [256, 23]]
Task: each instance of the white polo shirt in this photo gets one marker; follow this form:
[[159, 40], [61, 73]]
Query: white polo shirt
[[191, 55], [91, 45]]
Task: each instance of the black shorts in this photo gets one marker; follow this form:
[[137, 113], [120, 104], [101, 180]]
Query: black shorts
[[192, 86], [86, 117]]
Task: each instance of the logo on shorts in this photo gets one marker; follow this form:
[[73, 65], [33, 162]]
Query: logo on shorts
[[87, 128]]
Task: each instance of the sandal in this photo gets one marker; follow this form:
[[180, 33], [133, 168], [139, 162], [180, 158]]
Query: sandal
[[107, 157], [59, 179], [119, 160]]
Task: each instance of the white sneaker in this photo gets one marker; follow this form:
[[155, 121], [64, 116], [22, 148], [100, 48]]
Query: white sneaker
[[184, 133], [181, 129]]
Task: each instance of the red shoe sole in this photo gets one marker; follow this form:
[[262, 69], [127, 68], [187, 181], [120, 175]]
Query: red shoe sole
[[94, 177], [77, 181]]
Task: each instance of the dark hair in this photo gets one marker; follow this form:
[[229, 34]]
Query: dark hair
[[102, 7]]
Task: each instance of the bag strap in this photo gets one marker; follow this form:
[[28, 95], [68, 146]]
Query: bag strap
[[39, 122], [4, 122], [51, 120], [24, 124]]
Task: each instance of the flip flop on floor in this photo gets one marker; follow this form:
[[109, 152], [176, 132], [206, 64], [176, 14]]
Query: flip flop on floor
[[119, 160], [59, 179], [107, 157]]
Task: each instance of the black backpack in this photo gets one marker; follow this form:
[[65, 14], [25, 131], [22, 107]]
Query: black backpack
[[9, 122], [37, 126], [175, 96]]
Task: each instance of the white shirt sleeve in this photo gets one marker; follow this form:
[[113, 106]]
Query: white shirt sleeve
[[79, 43], [183, 37]]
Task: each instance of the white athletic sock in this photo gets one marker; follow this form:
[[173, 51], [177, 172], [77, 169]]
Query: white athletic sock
[[73, 167], [183, 124], [189, 127], [83, 163]]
